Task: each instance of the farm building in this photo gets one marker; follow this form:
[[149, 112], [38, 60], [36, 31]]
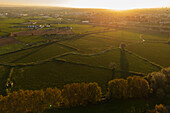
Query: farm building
[[85, 22]]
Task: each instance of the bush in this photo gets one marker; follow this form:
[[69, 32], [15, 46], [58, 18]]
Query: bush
[[117, 88]]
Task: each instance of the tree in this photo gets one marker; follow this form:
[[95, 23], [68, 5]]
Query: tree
[[118, 88], [80, 94], [23, 102], [94, 93], [160, 109], [158, 80], [138, 87], [53, 97], [75, 94]]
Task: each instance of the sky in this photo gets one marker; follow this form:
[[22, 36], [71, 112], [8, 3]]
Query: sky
[[107, 4]]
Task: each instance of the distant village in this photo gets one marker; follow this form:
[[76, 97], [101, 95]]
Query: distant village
[[150, 20]]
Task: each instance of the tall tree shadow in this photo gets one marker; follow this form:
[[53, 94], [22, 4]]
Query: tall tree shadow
[[124, 65]]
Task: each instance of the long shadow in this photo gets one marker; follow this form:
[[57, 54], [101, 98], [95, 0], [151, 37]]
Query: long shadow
[[124, 65]]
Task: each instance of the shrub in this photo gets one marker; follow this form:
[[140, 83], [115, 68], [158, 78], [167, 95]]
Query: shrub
[[118, 88]]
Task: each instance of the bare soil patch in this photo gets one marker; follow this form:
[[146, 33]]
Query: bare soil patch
[[43, 32], [8, 40]]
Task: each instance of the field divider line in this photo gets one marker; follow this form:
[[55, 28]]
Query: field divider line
[[144, 59]]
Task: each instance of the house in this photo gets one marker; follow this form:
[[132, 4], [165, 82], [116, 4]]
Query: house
[[36, 26], [48, 25], [85, 22], [23, 14]]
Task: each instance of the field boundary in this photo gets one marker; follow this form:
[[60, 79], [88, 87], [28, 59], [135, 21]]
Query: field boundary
[[144, 59]]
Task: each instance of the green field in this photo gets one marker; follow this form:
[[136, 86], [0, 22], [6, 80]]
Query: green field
[[116, 106], [31, 39], [92, 44], [124, 61], [46, 52], [10, 48], [81, 28], [3, 78], [155, 52], [16, 56], [57, 74]]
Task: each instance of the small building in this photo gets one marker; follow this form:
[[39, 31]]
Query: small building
[[85, 22], [23, 14], [48, 25]]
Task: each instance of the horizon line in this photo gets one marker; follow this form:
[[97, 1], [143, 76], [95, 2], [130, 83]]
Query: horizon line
[[36, 5]]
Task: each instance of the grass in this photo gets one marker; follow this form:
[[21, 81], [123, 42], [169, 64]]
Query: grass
[[155, 52], [3, 78], [11, 20], [46, 52], [3, 34], [57, 74], [10, 48], [81, 28], [124, 61], [116, 106], [92, 44], [154, 38], [14, 57], [31, 38]]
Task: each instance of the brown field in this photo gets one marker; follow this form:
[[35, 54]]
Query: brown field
[[8, 40], [42, 32]]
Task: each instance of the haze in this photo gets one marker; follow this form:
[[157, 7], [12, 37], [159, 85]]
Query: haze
[[108, 4]]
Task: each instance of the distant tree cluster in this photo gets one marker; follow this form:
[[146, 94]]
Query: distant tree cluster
[[132, 87]]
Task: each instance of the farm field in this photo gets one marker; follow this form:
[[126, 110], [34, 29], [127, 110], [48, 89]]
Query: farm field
[[8, 40], [46, 52], [155, 52], [10, 48], [58, 74], [89, 60], [13, 57], [3, 78], [98, 42], [123, 60], [118, 106]]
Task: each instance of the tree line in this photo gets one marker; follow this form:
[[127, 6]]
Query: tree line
[[82, 94]]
